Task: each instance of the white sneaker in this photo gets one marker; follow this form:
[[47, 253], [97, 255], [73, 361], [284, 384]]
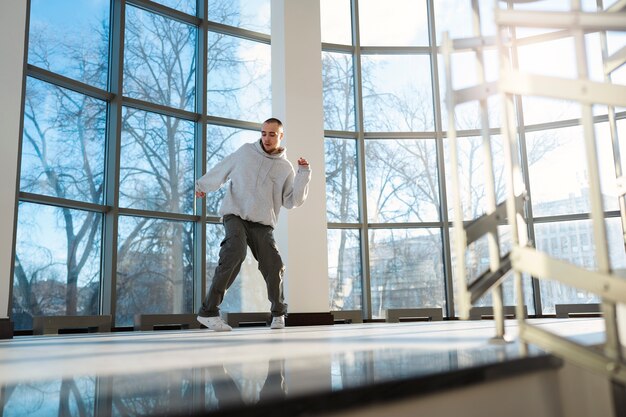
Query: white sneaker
[[214, 323], [278, 322]]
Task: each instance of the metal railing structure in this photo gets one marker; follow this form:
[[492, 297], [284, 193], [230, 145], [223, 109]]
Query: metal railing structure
[[523, 258], [470, 289]]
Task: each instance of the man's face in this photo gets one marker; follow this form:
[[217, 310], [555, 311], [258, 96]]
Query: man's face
[[271, 135]]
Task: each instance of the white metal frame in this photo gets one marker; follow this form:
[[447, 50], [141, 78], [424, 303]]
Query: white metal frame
[[467, 233], [609, 284], [524, 259]]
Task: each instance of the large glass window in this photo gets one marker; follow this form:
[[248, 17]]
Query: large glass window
[[402, 154], [106, 201], [106, 182]]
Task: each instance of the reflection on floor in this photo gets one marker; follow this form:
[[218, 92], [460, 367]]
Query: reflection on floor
[[252, 370]]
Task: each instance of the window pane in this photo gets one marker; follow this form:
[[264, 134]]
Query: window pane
[[249, 14], [71, 38], [159, 60], [473, 175], [454, 17], [342, 185], [248, 293], [156, 162], [154, 268], [57, 263], [397, 94], [239, 78], [187, 6], [465, 74], [559, 180], [532, 57], [63, 143], [402, 181], [344, 269], [336, 18], [573, 242], [557, 58], [221, 142], [401, 23], [338, 91], [406, 269]]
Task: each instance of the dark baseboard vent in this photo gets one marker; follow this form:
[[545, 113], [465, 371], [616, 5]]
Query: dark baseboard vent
[[309, 319], [6, 329]]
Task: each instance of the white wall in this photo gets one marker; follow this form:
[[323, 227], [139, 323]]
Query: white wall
[[12, 34], [297, 101]]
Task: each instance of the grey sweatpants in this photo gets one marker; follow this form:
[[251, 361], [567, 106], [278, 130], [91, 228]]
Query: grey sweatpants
[[260, 238]]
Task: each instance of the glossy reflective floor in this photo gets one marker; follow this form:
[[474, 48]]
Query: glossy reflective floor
[[252, 370]]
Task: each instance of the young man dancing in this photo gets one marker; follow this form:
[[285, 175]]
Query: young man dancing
[[262, 181]]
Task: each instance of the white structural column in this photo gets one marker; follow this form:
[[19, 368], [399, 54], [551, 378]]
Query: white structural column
[[297, 101], [12, 35]]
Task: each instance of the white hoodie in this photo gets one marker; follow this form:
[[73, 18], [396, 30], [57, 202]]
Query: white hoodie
[[260, 183]]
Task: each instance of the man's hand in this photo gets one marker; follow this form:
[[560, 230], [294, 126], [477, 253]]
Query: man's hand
[[303, 162], [200, 194]]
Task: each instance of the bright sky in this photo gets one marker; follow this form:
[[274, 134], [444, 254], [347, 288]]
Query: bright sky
[[69, 12]]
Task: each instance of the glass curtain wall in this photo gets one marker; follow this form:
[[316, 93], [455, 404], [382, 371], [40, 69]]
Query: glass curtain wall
[[387, 155], [126, 103]]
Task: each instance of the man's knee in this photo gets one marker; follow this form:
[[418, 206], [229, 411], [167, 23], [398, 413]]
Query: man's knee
[[273, 266], [234, 249]]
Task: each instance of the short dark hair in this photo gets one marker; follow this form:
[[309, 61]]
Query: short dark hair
[[274, 120]]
